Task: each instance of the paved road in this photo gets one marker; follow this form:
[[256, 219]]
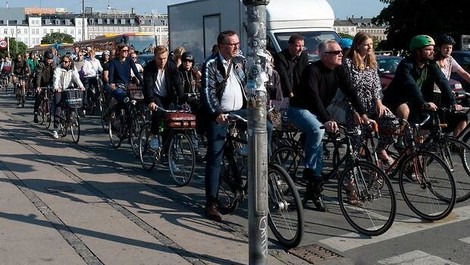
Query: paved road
[[62, 203]]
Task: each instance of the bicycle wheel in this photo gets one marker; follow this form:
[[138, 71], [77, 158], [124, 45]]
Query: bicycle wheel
[[286, 218], [181, 158], [146, 154], [290, 160], [116, 125], [42, 112], [230, 190], [366, 198], [105, 118], [137, 123], [427, 185], [75, 127], [455, 154]]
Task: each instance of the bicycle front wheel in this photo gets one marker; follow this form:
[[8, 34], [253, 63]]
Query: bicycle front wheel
[[181, 158], [427, 186], [455, 154], [116, 125], [75, 127], [366, 198], [146, 154], [290, 159], [231, 189], [286, 218], [137, 123]]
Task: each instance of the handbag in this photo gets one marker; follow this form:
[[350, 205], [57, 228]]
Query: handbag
[[338, 107]]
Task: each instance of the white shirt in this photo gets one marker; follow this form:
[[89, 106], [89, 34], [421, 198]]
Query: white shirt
[[160, 83], [232, 98]]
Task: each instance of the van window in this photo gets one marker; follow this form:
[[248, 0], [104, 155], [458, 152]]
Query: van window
[[312, 39]]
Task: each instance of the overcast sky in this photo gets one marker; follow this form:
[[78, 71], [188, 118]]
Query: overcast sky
[[342, 8]]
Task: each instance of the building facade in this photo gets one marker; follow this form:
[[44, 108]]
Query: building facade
[[353, 25], [30, 25]]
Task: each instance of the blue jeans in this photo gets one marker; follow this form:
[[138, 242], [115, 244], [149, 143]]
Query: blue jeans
[[119, 94], [308, 123]]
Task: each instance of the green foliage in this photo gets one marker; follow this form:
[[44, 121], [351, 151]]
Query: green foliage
[[57, 37], [15, 48], [407, 18]]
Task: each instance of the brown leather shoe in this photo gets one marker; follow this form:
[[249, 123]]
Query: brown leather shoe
[[212, 213]]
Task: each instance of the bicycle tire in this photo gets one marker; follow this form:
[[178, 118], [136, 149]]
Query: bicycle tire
[[286, 218], [137, 123], [181, 158], [75, 128], [455, 153], [372, 212], [146, 154], [230, 190], [115, 129], [290, 160], [430, 196], [42, 112]]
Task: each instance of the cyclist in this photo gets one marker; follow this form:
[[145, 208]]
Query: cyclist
[[64, 77], [223, 81], [120, 72], [191, 78], [92, 69], [33, 62], [412, 88], [43, 78], [6, 70], [307, 111], [162, 88], [140, 68], [105, 64], [20, 72], [448, 65]]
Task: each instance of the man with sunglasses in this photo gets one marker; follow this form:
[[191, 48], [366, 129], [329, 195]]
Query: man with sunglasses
[[307, 111]]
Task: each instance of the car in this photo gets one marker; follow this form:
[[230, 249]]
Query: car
[[144, 58], [387, 66], [463, 58]]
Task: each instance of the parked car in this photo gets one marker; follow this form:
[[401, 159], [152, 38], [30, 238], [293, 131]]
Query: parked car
[[144, 58], [463, 58]]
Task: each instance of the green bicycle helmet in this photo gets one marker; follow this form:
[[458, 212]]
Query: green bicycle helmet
[[421, 41]]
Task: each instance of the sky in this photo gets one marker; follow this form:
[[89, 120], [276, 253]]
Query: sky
[[342, 8]]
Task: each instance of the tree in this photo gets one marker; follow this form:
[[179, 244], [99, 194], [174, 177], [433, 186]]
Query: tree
[[57, 37], [407, 18], [15, 48]]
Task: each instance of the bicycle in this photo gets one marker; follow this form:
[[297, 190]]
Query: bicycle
[[44, 110], [19, 91], [452, 151], [124, 122], [285, 206], [177, 145], [69, 120], [426, 183]]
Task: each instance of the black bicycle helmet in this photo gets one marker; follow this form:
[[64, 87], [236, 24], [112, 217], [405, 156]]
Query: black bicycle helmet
[[187, 56], [444, 39], [48, 55]]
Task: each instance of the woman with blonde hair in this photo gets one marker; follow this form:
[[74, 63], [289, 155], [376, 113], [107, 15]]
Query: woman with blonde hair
[[361, 63]]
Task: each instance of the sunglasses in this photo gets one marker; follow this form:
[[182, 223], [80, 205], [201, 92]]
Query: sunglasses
[[333, 52], [66, 61], [124, 50]]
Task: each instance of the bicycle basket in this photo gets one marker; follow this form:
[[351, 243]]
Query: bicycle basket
[[73, 98], [135, 92], [180, 120]]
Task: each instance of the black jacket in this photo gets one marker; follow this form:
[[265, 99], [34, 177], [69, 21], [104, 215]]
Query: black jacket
[[44, 74], [173, 82], [290, 77]]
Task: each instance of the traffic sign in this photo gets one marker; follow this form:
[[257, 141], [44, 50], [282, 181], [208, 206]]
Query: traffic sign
[[3, 44]]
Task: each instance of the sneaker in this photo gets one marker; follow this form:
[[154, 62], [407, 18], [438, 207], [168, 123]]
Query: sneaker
[[154, 144], [55, 135], [36, 120]]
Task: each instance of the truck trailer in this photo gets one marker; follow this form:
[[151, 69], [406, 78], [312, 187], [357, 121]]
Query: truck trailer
[[195, 25]]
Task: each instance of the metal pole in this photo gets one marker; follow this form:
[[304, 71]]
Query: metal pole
[[83, 20], [257, 134]]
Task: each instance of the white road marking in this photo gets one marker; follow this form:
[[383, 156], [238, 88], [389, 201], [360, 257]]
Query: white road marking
[[399, 228], [416, 258], [465, 240]]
